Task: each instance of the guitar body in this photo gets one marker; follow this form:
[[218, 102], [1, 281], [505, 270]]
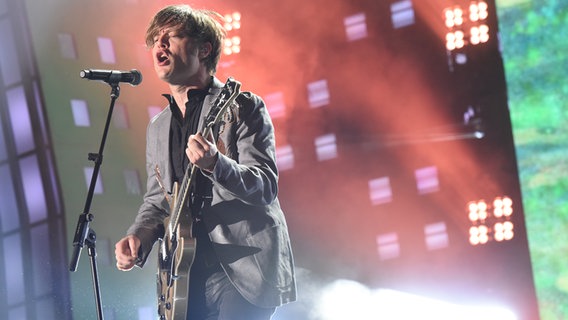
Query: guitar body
[[177, 248], [174, 262]]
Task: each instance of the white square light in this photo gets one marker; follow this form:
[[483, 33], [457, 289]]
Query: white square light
[[275, 104], [106, 50], [80, 113], [88, 172], [318, 93], [402, 14], [388, 246], [285, 158], [67, 46], [427, 180], [132, 181], [120, 116], [380, 190], [355, 27], [326, 147], [436, 236]]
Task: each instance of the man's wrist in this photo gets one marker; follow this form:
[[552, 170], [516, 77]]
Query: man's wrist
[[211, 167]]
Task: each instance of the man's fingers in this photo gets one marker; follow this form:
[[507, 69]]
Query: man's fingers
[[124, 266], [199, 142], [126, 251], [200, 138], [201, 152], [133, 243]]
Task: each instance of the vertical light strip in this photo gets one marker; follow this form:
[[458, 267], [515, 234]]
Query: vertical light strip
[[14, 267], [9, 62], [41, 252], [8, 206], [3, 152], [33, 188], [20, 120]]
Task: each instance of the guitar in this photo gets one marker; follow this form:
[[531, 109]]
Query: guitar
[[177, 247]]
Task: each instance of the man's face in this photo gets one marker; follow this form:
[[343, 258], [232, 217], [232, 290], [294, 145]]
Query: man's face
[[175, 57]]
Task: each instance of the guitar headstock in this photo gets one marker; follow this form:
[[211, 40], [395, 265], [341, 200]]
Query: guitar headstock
[[228, 94]]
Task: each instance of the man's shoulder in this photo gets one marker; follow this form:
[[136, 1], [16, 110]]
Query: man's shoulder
[[249, 101], [165, 114]]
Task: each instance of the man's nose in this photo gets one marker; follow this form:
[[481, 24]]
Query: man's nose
[[163, 40]]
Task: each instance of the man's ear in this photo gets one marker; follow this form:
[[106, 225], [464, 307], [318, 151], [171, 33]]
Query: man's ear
[[205, 50]]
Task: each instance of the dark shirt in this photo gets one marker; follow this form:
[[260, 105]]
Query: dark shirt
[[182, 127]]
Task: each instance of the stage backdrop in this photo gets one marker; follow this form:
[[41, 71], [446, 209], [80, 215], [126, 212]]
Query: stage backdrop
[[398, 172]]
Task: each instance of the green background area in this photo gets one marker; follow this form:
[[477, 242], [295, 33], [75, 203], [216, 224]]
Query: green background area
[[534, 41]]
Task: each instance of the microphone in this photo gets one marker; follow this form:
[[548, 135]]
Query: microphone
[[134, 77]]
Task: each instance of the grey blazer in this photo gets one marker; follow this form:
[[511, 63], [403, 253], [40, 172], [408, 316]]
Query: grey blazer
[[245, 222]]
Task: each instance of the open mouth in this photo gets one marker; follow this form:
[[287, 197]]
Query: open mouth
[[162, 58]]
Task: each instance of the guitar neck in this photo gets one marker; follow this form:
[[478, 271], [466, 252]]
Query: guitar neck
[[181, 197], [222, 103]]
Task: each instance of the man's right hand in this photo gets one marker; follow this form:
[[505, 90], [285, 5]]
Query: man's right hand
[[126, 252]]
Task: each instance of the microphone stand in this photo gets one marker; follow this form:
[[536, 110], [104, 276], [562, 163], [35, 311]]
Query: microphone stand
[[84, 234]]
